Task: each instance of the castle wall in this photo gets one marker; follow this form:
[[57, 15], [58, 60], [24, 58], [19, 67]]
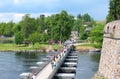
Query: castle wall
[[110, 55]]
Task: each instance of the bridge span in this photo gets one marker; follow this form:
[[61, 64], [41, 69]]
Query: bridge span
[[65, 66]]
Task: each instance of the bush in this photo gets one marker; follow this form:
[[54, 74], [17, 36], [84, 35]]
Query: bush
[[99, 45]]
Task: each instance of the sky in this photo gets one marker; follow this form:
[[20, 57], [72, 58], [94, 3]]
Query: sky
[[15, 9]]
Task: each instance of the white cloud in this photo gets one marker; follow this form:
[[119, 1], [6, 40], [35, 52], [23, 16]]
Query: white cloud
[[16, 1], [16, 17], [1, 15], [5, 17]]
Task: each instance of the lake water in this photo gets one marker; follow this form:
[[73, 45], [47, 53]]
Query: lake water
[[13, 64]]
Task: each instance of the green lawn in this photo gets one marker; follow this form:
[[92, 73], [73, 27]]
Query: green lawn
[[92, 45], [10, 47]]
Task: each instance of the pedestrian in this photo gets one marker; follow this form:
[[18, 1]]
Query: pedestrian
[[33, 76], [54, 64]]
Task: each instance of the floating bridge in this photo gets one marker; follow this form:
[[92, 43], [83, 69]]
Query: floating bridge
[[65, 69]]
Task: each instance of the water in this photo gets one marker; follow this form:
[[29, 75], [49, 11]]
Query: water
[[13, 64], [87, 65]]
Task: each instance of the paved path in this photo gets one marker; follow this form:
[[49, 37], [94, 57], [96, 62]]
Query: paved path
[[45, 73]]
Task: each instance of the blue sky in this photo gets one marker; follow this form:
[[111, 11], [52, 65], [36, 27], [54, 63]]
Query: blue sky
[[15, 9]]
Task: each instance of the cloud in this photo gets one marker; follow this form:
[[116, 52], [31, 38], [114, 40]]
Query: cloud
[[16, 1], [15, 8], [16, 17], [1, 15], [5, 17]]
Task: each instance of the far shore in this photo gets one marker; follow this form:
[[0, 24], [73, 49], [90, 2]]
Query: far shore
[[21, 48], [51, 48], [87, 49]]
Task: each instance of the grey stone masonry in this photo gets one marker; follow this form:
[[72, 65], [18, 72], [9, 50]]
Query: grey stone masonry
[[110, 55]]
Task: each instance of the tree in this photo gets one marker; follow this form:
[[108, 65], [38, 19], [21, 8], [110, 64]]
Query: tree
[[48, 26], [61, 26], [34, 38], [83, 33], [86, 17], [41, 23], [2, 26], [96, 34], [114, 10], [79, 16], [27, 26], [43, 37], [18, 38], [8, 29], [16, 28], [77, 23]]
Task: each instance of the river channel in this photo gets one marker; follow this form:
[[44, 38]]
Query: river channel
[[12, 64]]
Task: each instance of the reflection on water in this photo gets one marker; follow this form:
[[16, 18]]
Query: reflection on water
[[13, 64], [95, 56]]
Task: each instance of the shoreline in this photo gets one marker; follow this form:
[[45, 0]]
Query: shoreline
[[39, 51], [86, 50]]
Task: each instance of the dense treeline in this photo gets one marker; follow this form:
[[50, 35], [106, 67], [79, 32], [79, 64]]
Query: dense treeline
[[41, 29], [114, 10]]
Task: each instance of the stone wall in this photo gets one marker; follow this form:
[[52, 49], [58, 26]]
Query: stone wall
[[110, 55]]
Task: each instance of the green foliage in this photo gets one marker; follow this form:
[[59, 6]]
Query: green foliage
[[44, 37], [2, 27], [86, 17], [83, 33], [82, 23], [8, 29], [96, 35], [34, 38], [18, 38], [77, 23], [61, 26], [55, 27], [114, 10], [16, 28], [27, 26], [41, 23]]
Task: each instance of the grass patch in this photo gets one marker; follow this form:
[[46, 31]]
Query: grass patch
[[12, 47], [86, 47], [92, 45]]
